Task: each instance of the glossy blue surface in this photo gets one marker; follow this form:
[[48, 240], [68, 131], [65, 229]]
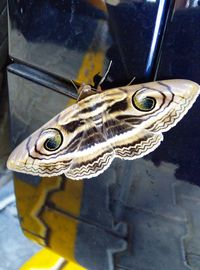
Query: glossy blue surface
[[180, 58], [55, 35]]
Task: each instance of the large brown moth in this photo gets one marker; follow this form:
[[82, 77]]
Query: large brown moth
[[125, 122]]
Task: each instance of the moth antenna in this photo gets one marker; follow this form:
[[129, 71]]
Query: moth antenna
[[74, 85], [132, 80], [106, 74]]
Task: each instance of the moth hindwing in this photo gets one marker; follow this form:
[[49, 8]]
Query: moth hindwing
[[125, 122]]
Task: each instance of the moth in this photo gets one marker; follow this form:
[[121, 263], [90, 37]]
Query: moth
[[125, 122]]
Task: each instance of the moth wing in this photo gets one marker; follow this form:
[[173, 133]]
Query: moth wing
[[183, 95], [130, 141], [133, 136], [137, 144], [94, 154], [166, 121]]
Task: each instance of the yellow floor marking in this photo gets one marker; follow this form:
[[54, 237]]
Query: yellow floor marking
[[48, 260]]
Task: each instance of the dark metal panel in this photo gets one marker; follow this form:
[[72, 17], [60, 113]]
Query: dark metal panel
[[31, 105], [136, 28], [180, 56], [180, 52], [55, 35], [43, 79]]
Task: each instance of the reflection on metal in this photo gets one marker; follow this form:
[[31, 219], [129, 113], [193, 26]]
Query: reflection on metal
[[43, 79], [99, 4], [181, 4], [7, 201], [114, 2], [58, 43], [156, 35]]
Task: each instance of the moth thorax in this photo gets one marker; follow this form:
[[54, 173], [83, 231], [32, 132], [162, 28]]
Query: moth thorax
[[84, 91], [86, 88]]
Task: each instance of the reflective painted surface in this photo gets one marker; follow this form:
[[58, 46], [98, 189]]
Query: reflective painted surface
[[54, 35], [136, 36], [180, 58]]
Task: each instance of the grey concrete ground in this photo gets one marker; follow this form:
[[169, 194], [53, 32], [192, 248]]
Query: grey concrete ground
[[15, 248]]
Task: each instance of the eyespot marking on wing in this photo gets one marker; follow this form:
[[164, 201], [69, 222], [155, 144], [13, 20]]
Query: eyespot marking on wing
[[54, 139], [142, 101]]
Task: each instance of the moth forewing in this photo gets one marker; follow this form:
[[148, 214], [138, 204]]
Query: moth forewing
[[125, 122], [185, 94]]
